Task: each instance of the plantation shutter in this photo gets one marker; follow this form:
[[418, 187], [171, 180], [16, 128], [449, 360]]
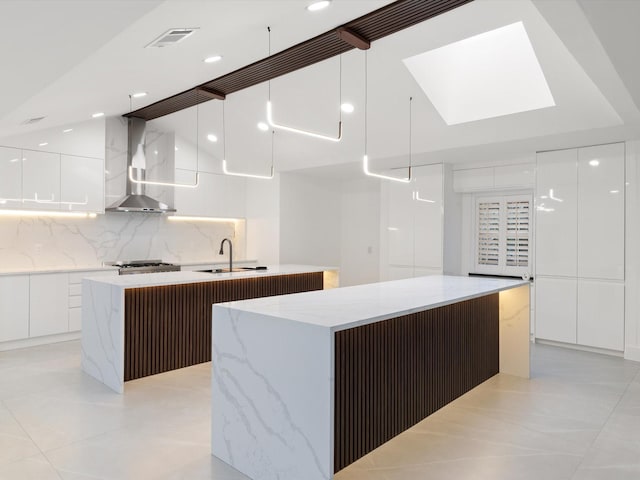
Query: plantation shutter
[[488, 233], [503, 235]]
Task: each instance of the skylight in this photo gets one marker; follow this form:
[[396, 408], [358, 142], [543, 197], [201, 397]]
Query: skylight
[[488, 75]]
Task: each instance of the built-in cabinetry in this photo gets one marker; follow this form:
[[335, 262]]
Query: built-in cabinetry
[[502, 177], [580, 246], [14, 307], [40, 304], [37, 180], [414, 224]]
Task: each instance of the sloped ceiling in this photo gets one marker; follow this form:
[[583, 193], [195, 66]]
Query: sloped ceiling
[[76, 61]]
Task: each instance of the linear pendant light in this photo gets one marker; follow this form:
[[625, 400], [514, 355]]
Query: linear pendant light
[[170, 184], [300, 131], [226, 170], [365, 160]]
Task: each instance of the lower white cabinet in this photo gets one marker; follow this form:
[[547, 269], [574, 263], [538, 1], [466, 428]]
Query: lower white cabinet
[[14, 307], [555, 309], [48, 304], [601, 314]]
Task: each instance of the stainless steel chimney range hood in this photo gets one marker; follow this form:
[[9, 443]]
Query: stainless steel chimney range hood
[[135, 199]]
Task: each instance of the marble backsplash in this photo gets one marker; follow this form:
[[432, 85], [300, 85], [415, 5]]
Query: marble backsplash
[[53, 242]]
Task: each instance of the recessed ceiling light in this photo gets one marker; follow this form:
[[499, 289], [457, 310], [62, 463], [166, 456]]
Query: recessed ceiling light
[[488, 75], [347, 108], [263, 126], [97, 115], [43, 144], [315, 6], [594, 163], [212, 138], [67, 130], [213, 59], [139, 94]]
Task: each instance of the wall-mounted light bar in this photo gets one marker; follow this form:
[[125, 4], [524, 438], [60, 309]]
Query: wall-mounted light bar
[[181, 218], [36, 213], [164, 184]]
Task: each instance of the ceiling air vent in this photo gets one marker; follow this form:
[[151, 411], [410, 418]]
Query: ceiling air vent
[[30, 121], [171, 37]]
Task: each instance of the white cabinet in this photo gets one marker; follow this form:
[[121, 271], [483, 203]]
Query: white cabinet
[[41, 180], [428, 217], [601, 212], [514, 176], [556, 213], [49, 304], [414, 224], [10, 177], [81, 184], [14, 307], [555, 307], [504, 177], [216, 195], [601, 314], [580, 246]]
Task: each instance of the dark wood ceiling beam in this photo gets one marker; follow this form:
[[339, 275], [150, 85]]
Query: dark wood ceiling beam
[[366, 29]]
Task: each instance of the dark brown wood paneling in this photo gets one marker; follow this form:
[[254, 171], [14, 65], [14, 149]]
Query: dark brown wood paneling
[[169, 327], [392, 374], [373, 26]]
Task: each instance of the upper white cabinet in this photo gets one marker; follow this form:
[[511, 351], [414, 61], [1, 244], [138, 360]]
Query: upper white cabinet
[[81, 183], [485, 179], [601, 212], [414, 226], [10, 177], [40, 180], [556, 213], [428, 217], [14, 307], [215, 196]]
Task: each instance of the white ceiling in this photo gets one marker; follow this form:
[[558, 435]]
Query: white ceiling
[[71, 59]]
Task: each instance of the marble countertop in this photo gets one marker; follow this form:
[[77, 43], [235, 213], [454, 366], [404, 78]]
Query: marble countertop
[[348, 307], [36, 270], [175, 278]]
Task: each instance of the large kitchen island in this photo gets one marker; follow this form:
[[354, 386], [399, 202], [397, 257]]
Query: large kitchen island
[[305, 384], [139, 325]]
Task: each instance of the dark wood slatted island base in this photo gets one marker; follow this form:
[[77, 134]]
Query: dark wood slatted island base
[[139, 325], [169, 327], [305, 386], [391, 375]]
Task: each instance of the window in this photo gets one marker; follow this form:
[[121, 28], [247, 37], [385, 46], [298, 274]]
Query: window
[[503, 235]]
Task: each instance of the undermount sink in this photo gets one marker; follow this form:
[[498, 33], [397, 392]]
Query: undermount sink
[[226, 270]]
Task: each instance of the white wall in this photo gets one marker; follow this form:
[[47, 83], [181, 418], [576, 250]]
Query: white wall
[[309, 220], [453, 228], [360, 232], [263, 220]]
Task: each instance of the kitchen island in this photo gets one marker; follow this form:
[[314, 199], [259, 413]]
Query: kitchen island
[[139, 325], [305, 384]]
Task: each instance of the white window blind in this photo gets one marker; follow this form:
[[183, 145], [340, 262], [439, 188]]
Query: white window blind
[[502, 235]]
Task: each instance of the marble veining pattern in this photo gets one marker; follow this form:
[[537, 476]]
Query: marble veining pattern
[[260, 418], [348, 307]]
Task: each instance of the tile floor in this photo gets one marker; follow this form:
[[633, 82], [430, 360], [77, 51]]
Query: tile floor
[[578, 418]]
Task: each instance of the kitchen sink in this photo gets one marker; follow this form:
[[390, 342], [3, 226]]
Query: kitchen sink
[[226, 270]]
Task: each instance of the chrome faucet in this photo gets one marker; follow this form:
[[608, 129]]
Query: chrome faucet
[[221, 252]]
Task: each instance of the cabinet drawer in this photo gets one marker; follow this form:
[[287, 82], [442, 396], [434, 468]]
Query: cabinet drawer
[[75, 289], [75, 301]]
